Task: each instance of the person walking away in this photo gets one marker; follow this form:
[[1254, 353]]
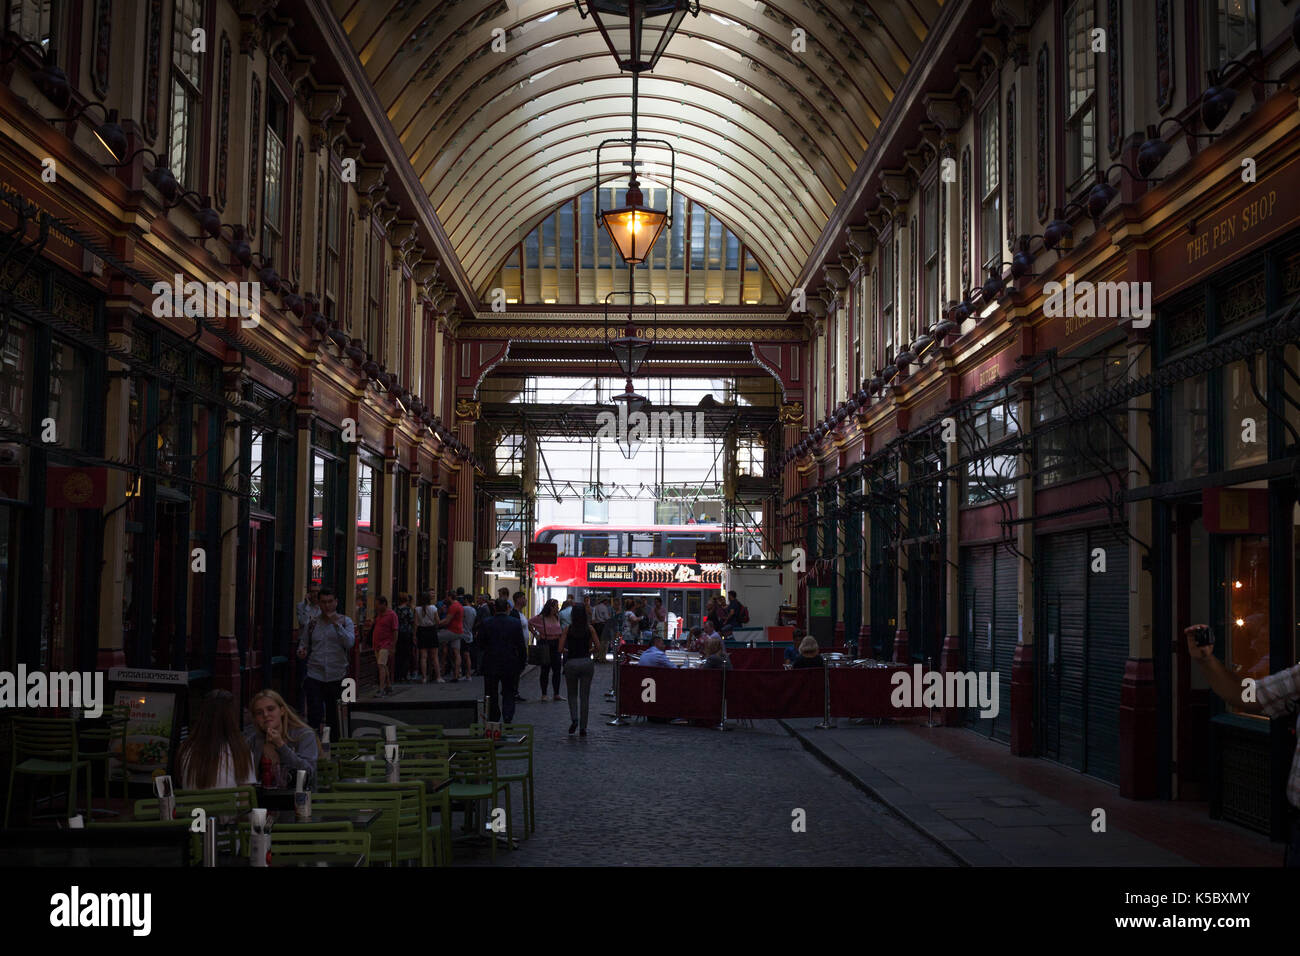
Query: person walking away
[[566, 611], [579, 644], [325, 648], [517, 613], [600, 616], [405, 652], [450, 627], [504, 655], [467, 638], [1277, 695], [426, 636], [383, 635], [548, 628]]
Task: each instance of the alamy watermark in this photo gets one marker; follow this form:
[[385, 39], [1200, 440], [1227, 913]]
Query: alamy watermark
[[213, 300], [639, 426], [941, 690], [75, 909], [1084, 301], [82, 691]]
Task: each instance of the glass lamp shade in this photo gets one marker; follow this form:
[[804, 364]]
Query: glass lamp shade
[[630, 350], [112, 137], [634, 227], [637, 32], [635, 402], [628, 446]]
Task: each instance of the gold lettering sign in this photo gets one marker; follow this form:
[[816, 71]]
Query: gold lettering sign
[[1230, 228], [1234, 511]]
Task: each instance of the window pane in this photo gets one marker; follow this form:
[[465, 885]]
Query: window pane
[[1245, 417], [188, 14]]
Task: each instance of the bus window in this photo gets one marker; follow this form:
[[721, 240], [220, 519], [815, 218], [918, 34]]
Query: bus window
[[598, 546], [682, 547], [643, 544]]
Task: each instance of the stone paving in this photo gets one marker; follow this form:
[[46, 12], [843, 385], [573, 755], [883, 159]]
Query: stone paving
[[671, 795]]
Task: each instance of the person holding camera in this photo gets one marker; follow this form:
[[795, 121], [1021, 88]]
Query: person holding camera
[[325, 646], [1275, 696]]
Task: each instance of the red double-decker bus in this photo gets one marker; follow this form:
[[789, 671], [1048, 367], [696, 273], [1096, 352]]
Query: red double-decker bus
[[620, 561]]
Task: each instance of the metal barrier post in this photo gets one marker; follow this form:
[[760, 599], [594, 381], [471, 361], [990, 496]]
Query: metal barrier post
[[929, 721], [826, 697], [723, 724], [618, 720]]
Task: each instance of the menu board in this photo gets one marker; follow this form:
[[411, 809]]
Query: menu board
[[149, 733]]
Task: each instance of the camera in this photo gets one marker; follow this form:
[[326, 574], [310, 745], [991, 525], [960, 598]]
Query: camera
[[1204, 635]]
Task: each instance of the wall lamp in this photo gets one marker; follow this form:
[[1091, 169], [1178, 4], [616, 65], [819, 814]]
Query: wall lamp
[[1217, 100], [48, 77]]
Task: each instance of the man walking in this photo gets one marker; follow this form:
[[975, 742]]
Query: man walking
[[519, 613], [503, 660], [383, 635], [325, 647], [600, 618]]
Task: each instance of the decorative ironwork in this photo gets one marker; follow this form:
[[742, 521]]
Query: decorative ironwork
[[99, 61], [253, 139], [1010, 153], [467, 410], [1164, 55], [965, 219], [1114, 56], [297, 207], [1243, 300], [152, 56], [791, 413], [1186, 327], [592, 333], [1040, 102], [223, 135], [1291, 274]]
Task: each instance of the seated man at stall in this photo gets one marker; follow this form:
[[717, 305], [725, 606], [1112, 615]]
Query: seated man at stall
[[792, 652], [654, 655]]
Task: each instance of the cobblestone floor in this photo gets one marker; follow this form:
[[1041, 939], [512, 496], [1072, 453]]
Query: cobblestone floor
[[669, 795]]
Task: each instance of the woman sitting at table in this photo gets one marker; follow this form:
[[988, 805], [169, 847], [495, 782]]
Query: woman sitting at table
[[809, 654], [715, 656], [214, 755], [280, 742]]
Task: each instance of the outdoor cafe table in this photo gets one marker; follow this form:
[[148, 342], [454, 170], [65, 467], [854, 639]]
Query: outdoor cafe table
[[432, 785], [360, 819], [505, 740]]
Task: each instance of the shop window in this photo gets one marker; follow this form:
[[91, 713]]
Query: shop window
[[1246, 588], [1230, 30], [36, 20], [1066, 452], [1081, 90], [67, 403], [187, 84], [1190, 418], [989, 475], [15, 407], [990, 194], [274, 174], [930, 248], [510, 455], [1245, 423], [749, 458], [333, 245]]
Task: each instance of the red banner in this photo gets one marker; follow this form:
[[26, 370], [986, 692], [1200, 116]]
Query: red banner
[[75, 487], [668, 692]]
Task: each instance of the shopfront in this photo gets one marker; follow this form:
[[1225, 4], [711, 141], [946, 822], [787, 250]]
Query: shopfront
[[1227, 522]]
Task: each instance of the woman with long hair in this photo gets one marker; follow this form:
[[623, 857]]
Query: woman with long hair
[[214, 754], [547, 628], [280, 742], [580, 644], [426, 636]]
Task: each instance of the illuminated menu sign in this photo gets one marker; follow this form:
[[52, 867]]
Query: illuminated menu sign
[[660, 572]]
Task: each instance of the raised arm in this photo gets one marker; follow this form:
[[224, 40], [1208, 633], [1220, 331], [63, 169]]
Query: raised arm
[[1221, 682]]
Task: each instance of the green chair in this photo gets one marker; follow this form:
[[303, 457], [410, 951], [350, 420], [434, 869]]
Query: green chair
[[308, 844], [196, 839], [421, 748], [513, 754], [232, 800], [350, 747], [383, 832], [327, 771], [411, 840], [429, 731], [417, 769], [46, 747], [474, 772], [110, 727]]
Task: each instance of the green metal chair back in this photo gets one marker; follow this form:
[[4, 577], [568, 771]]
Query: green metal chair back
[[383, 832], [102, 734], [306, 844], [232, 800], [474, 762], [410, 839], [350, 747], [327, 771], [46, 747], [423, 748]]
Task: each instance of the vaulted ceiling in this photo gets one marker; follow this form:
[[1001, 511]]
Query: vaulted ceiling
[[766, 138]]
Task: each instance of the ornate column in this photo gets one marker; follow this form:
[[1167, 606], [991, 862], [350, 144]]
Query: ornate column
[[1022, 665], [951, 658], [462, 522], [225, 666], [902, 653], [117, 418], [791, 417], [1137, 707]]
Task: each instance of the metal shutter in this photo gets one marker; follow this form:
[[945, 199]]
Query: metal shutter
[[977, 617], [1005, 634], [1064, 570], [1107, 654]]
